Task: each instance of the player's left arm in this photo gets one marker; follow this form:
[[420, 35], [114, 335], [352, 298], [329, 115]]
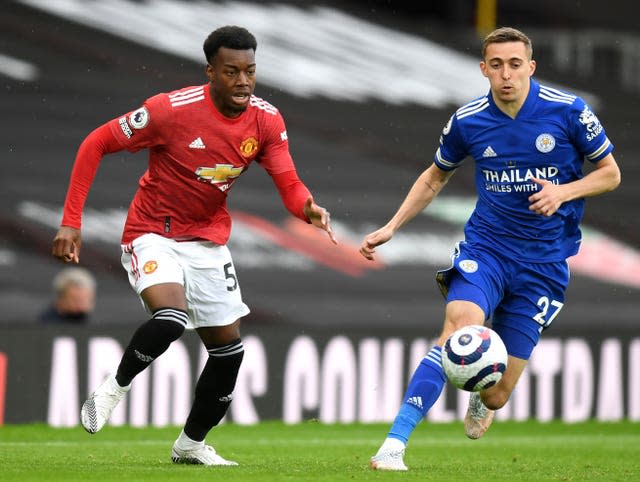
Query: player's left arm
[[276, 159], [604, 178], [299, 201]]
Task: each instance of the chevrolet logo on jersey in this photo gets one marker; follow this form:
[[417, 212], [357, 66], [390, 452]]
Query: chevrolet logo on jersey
[[219, 175]]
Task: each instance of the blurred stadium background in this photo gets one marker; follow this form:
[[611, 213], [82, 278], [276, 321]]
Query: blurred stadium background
[[365, 88]]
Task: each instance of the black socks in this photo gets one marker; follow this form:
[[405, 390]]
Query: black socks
[[150, 341], [214, 390]]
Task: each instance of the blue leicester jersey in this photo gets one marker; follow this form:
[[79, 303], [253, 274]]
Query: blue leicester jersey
[[552, 135]]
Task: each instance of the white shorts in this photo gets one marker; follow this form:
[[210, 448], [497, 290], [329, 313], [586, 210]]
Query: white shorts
[[204, 269]]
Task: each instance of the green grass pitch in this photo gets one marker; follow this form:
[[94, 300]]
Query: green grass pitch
[[272, 451]]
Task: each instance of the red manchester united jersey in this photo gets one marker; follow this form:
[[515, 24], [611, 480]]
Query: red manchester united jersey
[[195, 156]]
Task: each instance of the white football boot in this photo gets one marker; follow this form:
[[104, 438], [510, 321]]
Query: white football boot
[[389, 456], [187, 451], [478, 418], [97, 409]]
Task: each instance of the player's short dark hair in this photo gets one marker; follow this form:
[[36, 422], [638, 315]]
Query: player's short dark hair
[[507, 34], [230, 37]]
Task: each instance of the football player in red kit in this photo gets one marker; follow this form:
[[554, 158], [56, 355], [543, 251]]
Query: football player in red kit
[[200, 139]]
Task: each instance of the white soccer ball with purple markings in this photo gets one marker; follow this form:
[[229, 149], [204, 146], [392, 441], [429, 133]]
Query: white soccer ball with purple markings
[[474, 358]]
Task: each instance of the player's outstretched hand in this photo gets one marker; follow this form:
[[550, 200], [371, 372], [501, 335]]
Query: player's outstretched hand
[[66, 244], [319, 217], [368, 246]]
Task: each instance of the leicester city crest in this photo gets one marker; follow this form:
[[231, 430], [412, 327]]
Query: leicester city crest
[[468, 265], [545, 143]]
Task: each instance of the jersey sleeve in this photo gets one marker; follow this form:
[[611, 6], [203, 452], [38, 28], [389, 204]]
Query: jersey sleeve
[[276, 159], [451, 151], [133, 131], [293, 193], [274, 156], [142, 128], [587, 132], [98, 143]]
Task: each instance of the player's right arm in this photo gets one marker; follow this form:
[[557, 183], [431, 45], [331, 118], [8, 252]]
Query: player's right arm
[[132, 131], [424, 190], [66, 244], [447, 159]]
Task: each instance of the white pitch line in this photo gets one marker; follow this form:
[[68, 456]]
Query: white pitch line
[[457, 441]]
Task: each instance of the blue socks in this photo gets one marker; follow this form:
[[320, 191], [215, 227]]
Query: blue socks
[[423, 391]]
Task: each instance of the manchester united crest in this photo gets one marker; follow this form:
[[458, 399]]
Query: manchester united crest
[[249, 146], [150, 266]]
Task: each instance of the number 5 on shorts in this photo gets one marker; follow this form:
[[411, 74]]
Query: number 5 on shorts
[[230, 275]]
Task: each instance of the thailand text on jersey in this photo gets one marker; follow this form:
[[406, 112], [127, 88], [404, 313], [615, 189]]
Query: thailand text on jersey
[[195, 156], [549, 139]]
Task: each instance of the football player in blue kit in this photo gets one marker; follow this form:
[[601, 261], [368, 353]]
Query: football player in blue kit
[[528, 143]]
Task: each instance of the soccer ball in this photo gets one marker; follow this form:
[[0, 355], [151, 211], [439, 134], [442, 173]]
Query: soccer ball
[[474, 358]]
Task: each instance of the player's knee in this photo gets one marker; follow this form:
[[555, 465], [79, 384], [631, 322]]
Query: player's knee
[[495, 398], [169, 323]]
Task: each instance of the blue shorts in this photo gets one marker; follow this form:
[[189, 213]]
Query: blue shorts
[[521, 298]]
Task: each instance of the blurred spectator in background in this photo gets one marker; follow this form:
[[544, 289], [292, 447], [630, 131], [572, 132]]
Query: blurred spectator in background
[[75, 294]]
